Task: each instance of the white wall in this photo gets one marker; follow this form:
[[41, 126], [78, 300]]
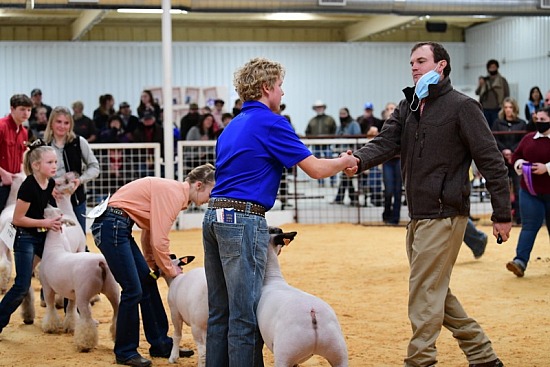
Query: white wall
[[344, 74]]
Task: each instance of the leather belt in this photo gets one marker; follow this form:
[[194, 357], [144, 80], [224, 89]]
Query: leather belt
[[238, 205], [117, 211]]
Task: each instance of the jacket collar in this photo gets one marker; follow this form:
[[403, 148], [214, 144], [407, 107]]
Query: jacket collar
[[435, 90]]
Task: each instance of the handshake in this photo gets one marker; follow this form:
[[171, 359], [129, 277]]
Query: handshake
[[352, 163]]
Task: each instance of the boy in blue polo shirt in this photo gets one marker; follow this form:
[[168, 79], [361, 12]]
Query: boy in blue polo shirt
[[251, 153]]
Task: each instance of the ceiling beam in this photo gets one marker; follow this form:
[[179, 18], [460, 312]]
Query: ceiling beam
[[85, 22], [378, 23]]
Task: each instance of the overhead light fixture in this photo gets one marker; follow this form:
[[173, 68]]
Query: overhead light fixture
[[149, 11], [289, 16]]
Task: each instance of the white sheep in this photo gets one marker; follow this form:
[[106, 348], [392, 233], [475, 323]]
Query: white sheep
[[77, 277], [296, 325], [6, 217], [6, 261], [188, 302]]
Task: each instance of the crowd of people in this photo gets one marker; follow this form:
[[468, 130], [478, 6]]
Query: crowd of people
[[430, 137]]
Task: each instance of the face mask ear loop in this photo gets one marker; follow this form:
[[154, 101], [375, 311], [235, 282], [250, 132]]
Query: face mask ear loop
[[412, 102]]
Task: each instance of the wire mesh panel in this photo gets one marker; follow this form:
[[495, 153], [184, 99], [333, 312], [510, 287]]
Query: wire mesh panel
[[121, 163], [359, 199]]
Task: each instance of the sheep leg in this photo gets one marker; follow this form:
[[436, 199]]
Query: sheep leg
[[51, 322], [177, 321], [70, 317], [85, 333], [199, 335]]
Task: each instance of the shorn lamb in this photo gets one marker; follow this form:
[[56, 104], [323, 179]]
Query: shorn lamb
[[296, 325], [5, 218], [78, 277], [188, 302]]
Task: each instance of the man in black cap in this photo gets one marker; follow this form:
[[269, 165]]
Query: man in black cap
[[36, 97], [130, 122]]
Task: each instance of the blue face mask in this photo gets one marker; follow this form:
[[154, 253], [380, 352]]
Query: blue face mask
[[421, 88]]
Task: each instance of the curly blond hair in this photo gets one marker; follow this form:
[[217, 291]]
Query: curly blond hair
[[252, 76]]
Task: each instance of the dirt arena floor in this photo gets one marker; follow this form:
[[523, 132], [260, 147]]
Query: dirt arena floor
[[362, 272]]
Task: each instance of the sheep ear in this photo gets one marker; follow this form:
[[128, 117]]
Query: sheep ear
[[185, 260], [284, 239]]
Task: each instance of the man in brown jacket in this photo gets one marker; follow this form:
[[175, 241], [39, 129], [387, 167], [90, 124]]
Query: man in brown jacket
[[438, 131]]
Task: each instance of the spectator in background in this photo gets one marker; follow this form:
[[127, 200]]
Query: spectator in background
[[237, 107], [226, 119], [205, 110], [13, 137], [319, 125], [148, 131], [370, 182], [197, 155], [508, 122], [370, 125], [115, 132], [217, 113], [102, 113], [83, 125], [393, 182], [147, 103], [532, 161], [492, 89], [533, 105], [36, 97], [189, 120], [129, 122], [73, 155], [348, 126], [38, 125]]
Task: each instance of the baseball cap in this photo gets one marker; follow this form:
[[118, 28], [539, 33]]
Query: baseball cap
[[148, 115], [219, 101], [123, 105], [35, 91], [193, 106], [369, 106]]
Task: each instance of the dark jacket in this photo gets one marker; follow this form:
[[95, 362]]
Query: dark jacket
[[509, 141], [72, 158], [436, 154]]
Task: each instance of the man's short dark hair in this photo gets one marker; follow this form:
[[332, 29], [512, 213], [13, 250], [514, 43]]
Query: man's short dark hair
[[20, 100], [439, 54], [492, 62]]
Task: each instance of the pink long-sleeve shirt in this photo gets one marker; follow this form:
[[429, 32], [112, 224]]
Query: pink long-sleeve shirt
[[154, 203]]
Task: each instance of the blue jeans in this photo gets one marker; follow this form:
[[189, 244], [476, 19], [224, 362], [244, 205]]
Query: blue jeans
[[235, 257], [113, 236], [475, 239], [391, 173], [534, 210], [80, 212], [24, 248]]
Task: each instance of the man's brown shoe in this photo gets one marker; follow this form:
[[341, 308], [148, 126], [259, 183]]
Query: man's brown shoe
[[515, 268]]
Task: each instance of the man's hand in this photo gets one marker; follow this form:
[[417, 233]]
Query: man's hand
[[539, 168], [503, 229], [351, 161]]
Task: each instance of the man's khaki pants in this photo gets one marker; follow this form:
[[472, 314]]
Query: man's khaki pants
[[432, 249]]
